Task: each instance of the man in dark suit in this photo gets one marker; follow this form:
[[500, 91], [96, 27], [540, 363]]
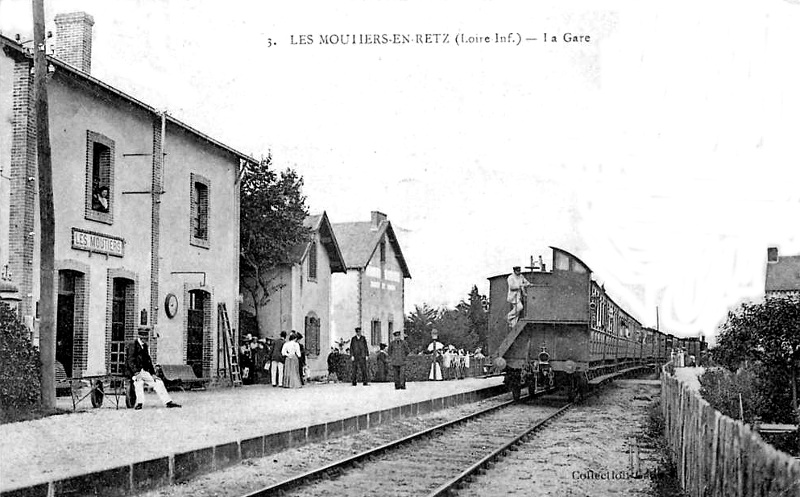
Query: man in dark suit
[[276, 365], [139, 367], [398, 350], [359, 353]]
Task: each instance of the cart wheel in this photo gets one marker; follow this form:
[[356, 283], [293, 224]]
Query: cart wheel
[[130, 395], [97, 394]]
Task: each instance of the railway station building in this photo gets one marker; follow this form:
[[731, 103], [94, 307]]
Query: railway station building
[[371, 294], [300, 297], [146, 215]]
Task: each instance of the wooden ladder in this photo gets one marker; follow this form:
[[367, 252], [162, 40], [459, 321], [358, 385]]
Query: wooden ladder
[[231, 354]]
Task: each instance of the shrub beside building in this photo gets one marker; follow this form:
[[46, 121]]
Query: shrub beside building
[[20, 384]]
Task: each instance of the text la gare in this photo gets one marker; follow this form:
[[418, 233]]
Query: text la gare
[[567, 38]]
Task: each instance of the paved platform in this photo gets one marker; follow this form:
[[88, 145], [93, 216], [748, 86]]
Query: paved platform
[[108, 451]]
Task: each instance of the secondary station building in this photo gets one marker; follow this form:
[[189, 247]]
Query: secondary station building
[[146, 215]]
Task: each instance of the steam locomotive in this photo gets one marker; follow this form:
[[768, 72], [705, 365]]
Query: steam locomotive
[[571, 333]]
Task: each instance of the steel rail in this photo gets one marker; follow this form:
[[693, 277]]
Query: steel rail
[[338, 466], [452, 486]]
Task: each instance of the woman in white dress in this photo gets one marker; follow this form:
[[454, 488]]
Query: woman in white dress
[[435, 349], [291, 368]]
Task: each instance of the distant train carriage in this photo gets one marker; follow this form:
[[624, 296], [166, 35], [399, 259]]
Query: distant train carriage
[[570, 333]]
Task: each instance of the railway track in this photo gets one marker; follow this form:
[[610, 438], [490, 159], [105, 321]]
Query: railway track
[[435, 461]]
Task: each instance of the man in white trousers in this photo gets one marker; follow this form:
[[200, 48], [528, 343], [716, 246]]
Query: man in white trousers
[[139, 367]]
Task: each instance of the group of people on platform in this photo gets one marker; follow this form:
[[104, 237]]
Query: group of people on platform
[[681, 359], [394, 356], [281, 361], [447, 363]]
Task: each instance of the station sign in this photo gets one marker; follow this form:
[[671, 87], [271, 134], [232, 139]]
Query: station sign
[[97, 243]]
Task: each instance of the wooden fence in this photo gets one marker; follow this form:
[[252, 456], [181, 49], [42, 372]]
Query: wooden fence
[[718, 456]]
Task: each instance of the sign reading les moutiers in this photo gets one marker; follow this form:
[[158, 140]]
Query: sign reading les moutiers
[[98, 243]]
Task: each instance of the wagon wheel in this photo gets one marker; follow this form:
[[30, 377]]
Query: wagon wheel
[[130, 394], [97, 394]]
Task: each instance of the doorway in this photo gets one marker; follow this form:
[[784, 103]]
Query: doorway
[[121, 321], [65, 320], [196, 325]]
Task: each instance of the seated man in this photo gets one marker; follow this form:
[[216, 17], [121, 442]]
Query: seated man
[[139, 367]]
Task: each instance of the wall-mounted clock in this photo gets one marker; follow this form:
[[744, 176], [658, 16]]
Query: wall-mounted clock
[[171, 305]]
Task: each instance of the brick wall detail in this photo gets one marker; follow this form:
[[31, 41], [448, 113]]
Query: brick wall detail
[[80, 344], [74, 39], [155, 231], [24, 178]]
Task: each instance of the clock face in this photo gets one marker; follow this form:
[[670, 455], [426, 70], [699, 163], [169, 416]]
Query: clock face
[[171, 305]]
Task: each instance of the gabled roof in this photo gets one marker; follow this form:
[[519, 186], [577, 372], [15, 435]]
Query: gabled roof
[[19, 52], [319, 223], [784, 274], [359, 241]]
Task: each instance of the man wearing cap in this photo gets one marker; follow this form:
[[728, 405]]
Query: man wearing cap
[[516, 295], [398, 350], [358, 354], [276, 364], [139, 367]]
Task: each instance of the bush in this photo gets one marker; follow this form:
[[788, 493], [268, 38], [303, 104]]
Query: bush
[[765, 393], [20, 375]]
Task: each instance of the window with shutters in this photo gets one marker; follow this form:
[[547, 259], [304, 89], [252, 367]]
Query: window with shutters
[[375, 334], [312, 261], [199, 233], [312, 335]]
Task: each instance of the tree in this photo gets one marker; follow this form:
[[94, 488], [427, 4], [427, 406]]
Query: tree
[[465, 326], [273, 209], [477, 311], [454, 329], [767, 333], [418, 326]]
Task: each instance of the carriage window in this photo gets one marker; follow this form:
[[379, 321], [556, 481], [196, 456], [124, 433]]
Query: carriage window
[[561, 261]]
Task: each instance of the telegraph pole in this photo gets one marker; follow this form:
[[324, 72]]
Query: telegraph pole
[[47, 335]]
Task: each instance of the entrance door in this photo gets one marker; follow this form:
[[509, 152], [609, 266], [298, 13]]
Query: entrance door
[[119, 316], [65, 320], [196, 326]]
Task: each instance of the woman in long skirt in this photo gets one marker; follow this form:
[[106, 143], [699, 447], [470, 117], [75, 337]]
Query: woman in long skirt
[[291, 368]]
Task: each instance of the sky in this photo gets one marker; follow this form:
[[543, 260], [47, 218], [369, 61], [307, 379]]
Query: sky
[[663, 152]]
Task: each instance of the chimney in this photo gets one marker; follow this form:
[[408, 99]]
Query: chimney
[[772, 254], [377, 219], [74, 39]]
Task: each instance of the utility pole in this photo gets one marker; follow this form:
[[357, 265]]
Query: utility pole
[[47, 335]]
